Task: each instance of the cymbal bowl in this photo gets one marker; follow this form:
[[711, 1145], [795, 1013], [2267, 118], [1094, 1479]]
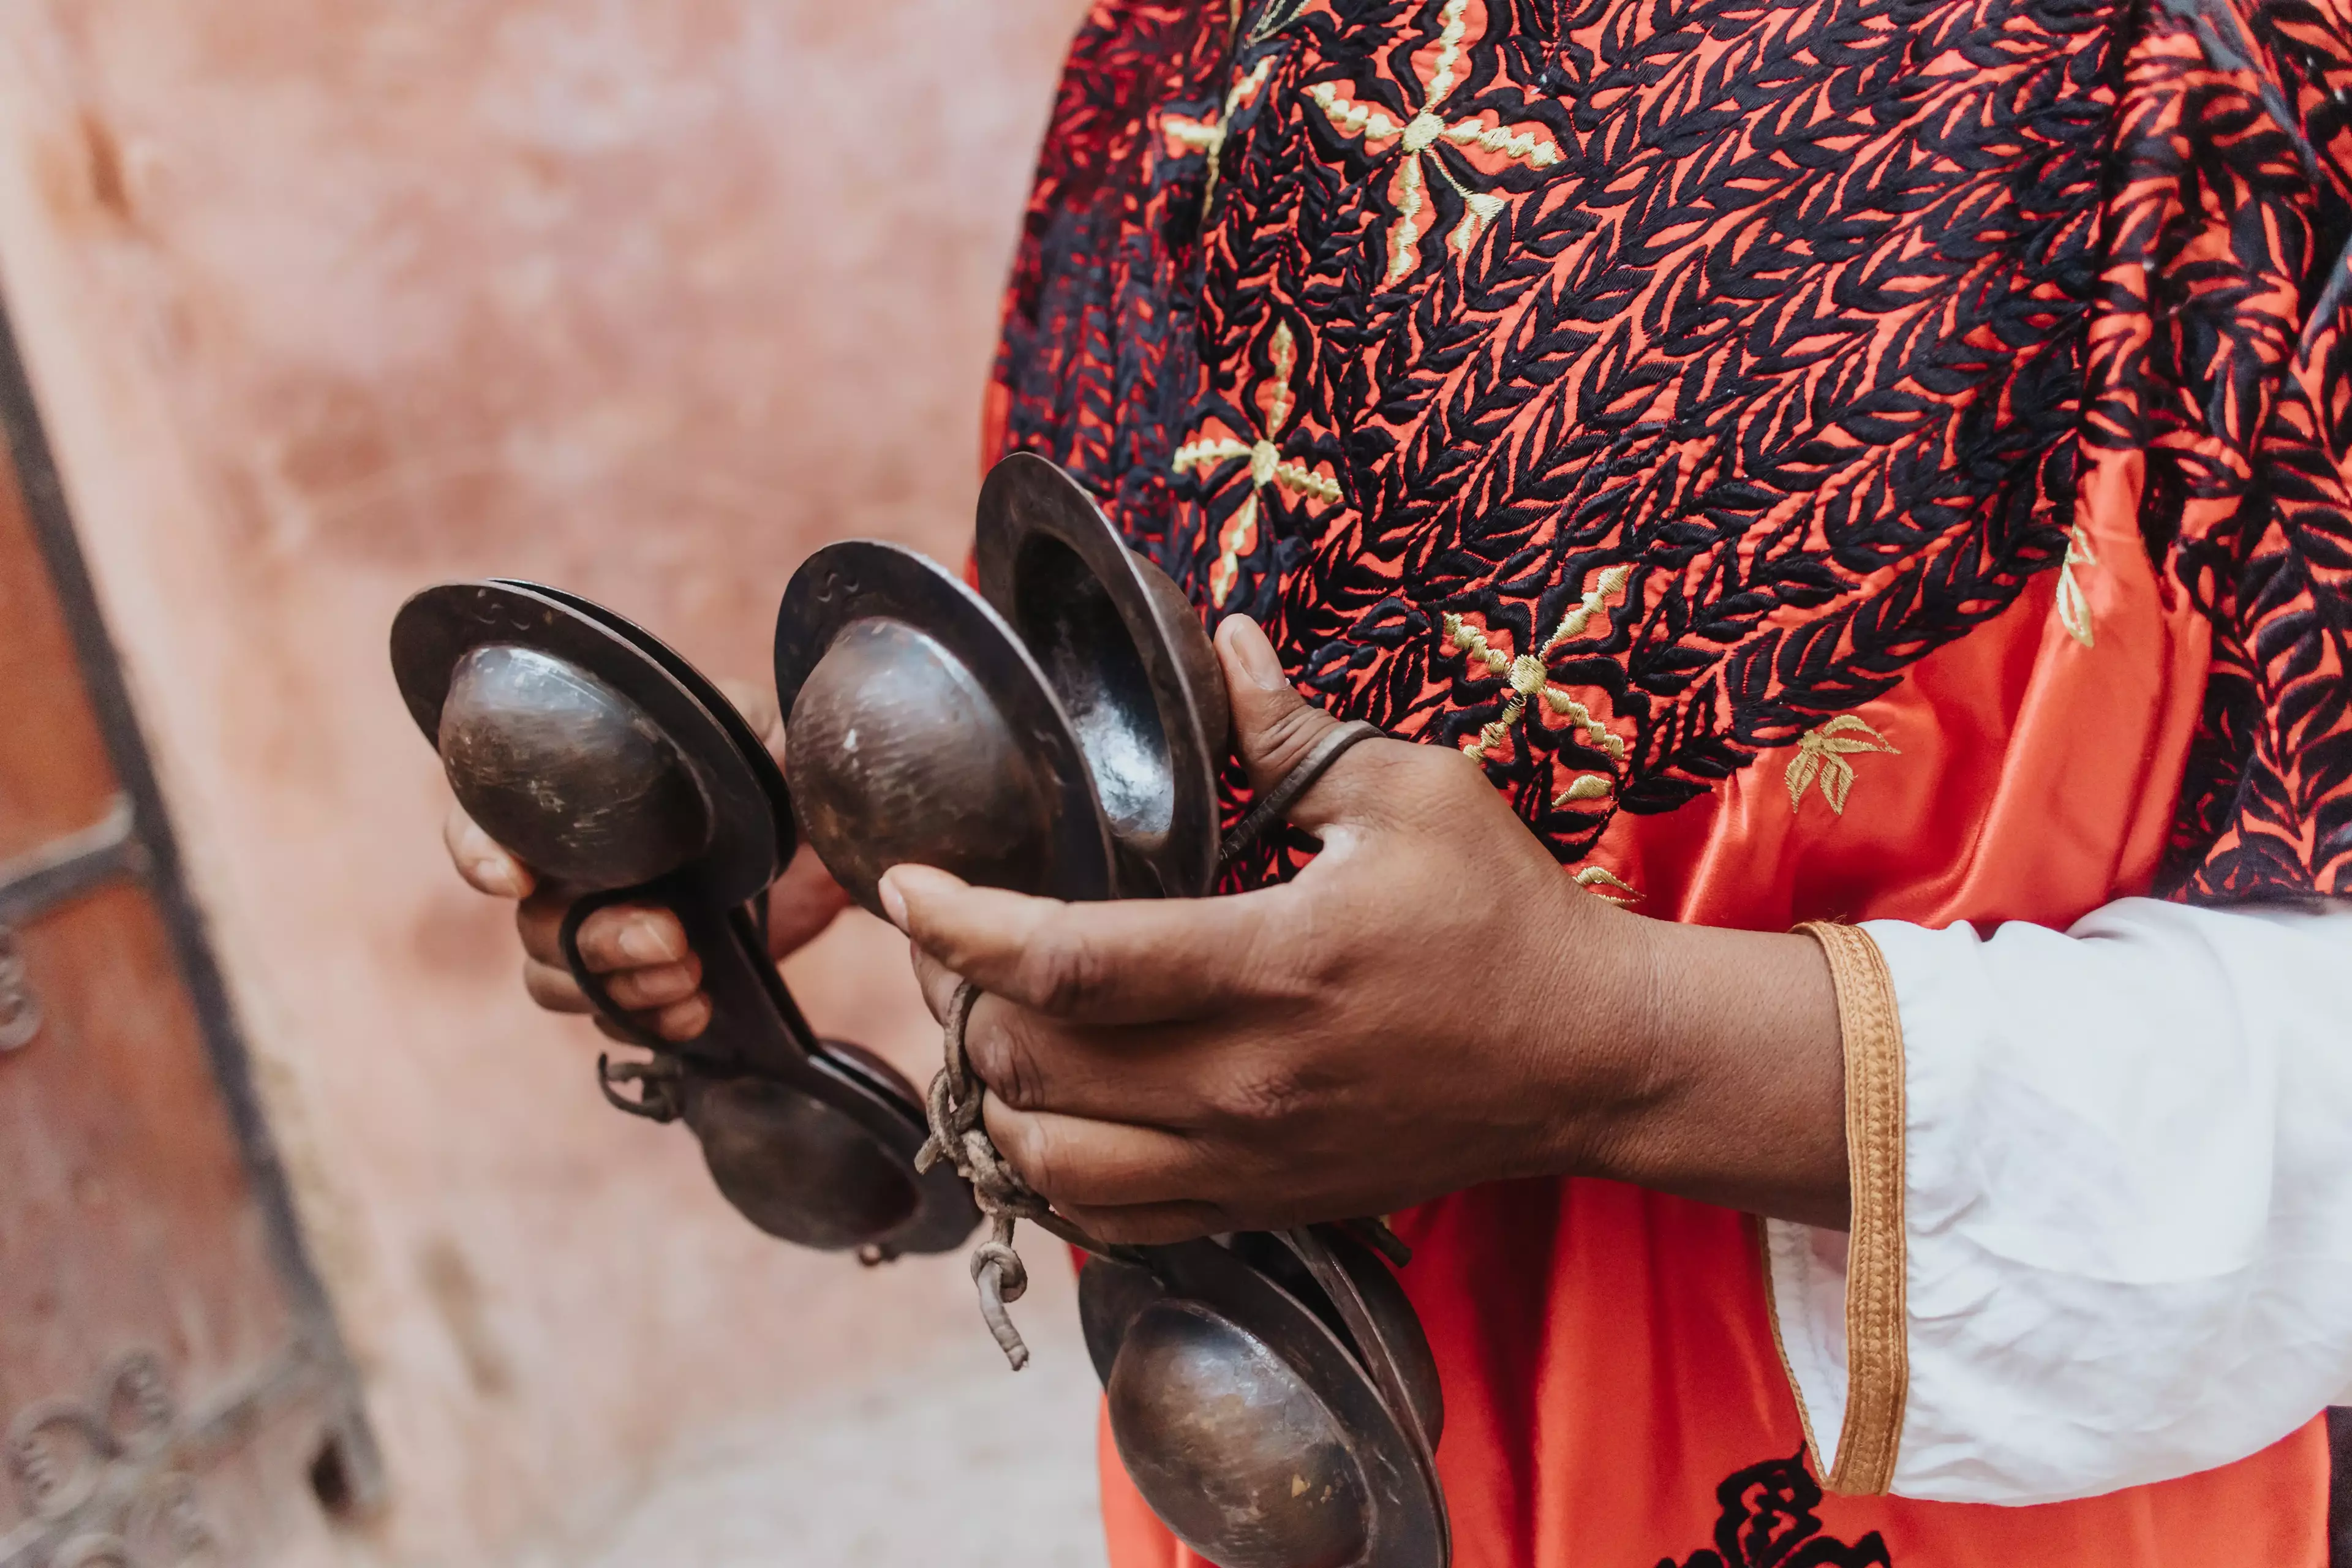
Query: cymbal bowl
[[567, 772]]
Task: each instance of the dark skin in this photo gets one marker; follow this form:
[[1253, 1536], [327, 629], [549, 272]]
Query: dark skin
[[1431, 1005]]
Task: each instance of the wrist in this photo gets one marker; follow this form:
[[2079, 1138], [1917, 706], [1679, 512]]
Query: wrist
[[1601, 1072], [1726, 1080]]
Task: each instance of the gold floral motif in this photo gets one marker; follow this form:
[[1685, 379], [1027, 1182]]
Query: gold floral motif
[[1823, 751], [1531, 680], [1267, 466], [1208, 135], [1531, 148]]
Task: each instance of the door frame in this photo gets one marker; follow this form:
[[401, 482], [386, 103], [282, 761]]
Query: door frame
[[348, 1473]]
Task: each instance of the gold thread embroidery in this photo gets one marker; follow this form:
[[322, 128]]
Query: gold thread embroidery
[[1597, 882], [1529, 147], [1584, 786], [1823, 751], [2074, 604], [1877, 1308], [1530, 679], [1209, 135], [1276, 403]]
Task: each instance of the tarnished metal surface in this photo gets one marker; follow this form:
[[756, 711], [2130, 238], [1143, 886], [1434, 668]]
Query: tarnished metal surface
[[1124, 651], [603, 758], [68, 866], [1250, 1416], [920, 730]]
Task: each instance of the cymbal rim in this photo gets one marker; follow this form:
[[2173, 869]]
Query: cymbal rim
[[1026, 499], [1408, 1527], [438, 626]]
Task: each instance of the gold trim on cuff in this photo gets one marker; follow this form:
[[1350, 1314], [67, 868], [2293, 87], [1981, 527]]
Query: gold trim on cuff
[[1878, 1366]]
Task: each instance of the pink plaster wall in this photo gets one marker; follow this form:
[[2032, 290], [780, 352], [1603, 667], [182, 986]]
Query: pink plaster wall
[[326, 300]]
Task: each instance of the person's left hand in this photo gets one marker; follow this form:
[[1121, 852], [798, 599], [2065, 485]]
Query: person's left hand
[[1432, 1003]]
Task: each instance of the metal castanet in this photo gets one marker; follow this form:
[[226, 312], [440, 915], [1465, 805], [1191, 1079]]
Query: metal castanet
[[1059, 733], [614, 770], [919, 728], [1124, 653], [1245, 1406]]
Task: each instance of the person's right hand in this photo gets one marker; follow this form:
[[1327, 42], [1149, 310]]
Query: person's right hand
[[639, 950]]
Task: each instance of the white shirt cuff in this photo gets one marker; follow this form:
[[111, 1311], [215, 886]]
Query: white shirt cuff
[[2125, 1211]]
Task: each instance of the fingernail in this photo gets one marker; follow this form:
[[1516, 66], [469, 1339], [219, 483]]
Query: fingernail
[[894, 903], [1256, 655], [642, 944], [497, 876]]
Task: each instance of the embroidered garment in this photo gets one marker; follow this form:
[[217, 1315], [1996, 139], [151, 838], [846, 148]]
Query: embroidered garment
[[1828, 460]]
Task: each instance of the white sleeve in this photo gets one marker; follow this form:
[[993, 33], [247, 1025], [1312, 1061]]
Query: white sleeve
[[2125, 1223]]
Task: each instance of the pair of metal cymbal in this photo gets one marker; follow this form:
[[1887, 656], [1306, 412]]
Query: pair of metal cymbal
[[1057, 732], [617, 772]]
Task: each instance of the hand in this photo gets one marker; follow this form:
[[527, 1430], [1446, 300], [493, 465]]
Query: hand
[[1432, 1003], [641, 950]]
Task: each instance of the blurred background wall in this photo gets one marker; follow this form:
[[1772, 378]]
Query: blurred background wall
[[327, 300]]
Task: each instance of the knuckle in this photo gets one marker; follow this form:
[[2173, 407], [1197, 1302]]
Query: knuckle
[[1256, 1093], [1302, 972], [1066, 972], [1003, 1052], [1286, 742]]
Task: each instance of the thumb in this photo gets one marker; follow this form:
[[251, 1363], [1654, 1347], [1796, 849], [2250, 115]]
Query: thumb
[[1274, 729]]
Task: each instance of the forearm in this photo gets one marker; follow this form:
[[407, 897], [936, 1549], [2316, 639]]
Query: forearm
[[1733, 1074]]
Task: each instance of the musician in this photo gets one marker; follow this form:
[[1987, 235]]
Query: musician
[[1842, 974]]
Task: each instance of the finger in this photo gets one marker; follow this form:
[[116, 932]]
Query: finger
[[618, 937], [656, 985], [803, 901], [1165, 1075], [1177, 1077], [1128, 962], [1152, 1225], [1276, 729], [683, 1021], [555, 990], [1079, 1163], [553, 987], [936, 981], [481, 860]]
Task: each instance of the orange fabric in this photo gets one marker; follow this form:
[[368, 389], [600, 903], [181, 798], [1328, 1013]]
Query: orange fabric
[[1606, 1354]]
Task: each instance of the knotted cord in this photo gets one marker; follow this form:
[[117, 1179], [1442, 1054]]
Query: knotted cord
[[958, 1096]]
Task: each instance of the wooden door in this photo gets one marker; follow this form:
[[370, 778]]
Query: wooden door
[[172, 1390]]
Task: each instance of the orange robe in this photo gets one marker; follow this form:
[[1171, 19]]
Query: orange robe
[[1613, 1391]]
